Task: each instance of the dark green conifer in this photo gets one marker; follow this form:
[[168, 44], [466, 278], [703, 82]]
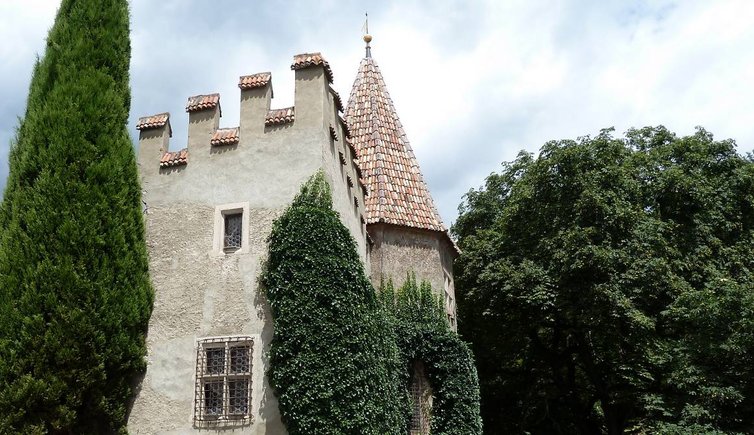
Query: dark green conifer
[[75, 295]]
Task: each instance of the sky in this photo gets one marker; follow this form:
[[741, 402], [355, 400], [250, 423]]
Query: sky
[[474, 82]]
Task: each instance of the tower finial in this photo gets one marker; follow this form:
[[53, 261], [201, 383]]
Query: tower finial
[[367, 36]]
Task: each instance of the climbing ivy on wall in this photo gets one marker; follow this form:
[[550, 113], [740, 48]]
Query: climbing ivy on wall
[[333, 356], [341, 355], [422, 334]]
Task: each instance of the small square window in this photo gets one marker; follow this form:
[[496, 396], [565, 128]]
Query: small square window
[[238, 397], [239, 359], [215, 360], [233, 231]]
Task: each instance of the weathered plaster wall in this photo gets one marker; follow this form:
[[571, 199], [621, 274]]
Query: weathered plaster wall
[[352, 212], [199, 294], [202, 292]]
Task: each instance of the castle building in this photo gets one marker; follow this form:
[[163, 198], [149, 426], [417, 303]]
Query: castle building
[[209, 209]]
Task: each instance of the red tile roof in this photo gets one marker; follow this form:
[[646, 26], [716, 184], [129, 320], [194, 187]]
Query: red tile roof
[[397, 192], [306, 60], [280, 116], [202, 102], [257, 80], [225, 136], [174, 158], [154, 121]]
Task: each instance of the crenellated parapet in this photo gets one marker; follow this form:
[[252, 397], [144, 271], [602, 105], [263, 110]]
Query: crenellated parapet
[[316, 113]]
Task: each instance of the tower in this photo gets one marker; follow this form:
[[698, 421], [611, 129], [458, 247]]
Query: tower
[[401, 218], [208, 211]]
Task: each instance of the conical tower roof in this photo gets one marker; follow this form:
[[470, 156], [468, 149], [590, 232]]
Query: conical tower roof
[[397, 193]]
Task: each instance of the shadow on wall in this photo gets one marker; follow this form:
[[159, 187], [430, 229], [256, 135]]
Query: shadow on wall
[[268, 407], [222, 149], [172, 169]]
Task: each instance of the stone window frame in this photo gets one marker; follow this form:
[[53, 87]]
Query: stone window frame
[[218, 243], [450, 302], [204, 377]]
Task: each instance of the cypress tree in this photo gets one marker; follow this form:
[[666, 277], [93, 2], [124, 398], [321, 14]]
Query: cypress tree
[[75, 295]]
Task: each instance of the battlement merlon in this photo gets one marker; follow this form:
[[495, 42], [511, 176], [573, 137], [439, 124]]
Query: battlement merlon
[[312, 92], [256, 95], [154, 139], [204, 119]]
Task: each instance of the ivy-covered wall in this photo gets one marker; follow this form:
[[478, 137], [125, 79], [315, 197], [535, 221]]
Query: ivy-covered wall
[[417, 317], [341, 356], [333, 356]]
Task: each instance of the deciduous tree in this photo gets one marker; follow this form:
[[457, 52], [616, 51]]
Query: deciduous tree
[[607, 284]]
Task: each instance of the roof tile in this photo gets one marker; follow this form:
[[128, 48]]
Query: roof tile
[[224, 136], [257, 80], [280, 116], [333, 133], [338, 101], [397, 192], [174, 158], [202, 102], [154, 121], [306, 60]]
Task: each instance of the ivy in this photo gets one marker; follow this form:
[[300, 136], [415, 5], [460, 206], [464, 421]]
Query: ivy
[[341, 352], [422, 333], [333, 356]]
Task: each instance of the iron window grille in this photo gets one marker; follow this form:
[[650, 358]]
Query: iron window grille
[[233, 231], [421, 401], [222, 393]]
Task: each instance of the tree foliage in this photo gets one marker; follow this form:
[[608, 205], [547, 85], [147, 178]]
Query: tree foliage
[[607, 285], [75, 295], [418, 319], [333, 356]]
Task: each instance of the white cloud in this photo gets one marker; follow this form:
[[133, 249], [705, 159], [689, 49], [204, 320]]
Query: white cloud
[[473, 82]]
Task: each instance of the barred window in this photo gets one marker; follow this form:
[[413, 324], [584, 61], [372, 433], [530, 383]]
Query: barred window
[[223, 381], [233, 227]]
